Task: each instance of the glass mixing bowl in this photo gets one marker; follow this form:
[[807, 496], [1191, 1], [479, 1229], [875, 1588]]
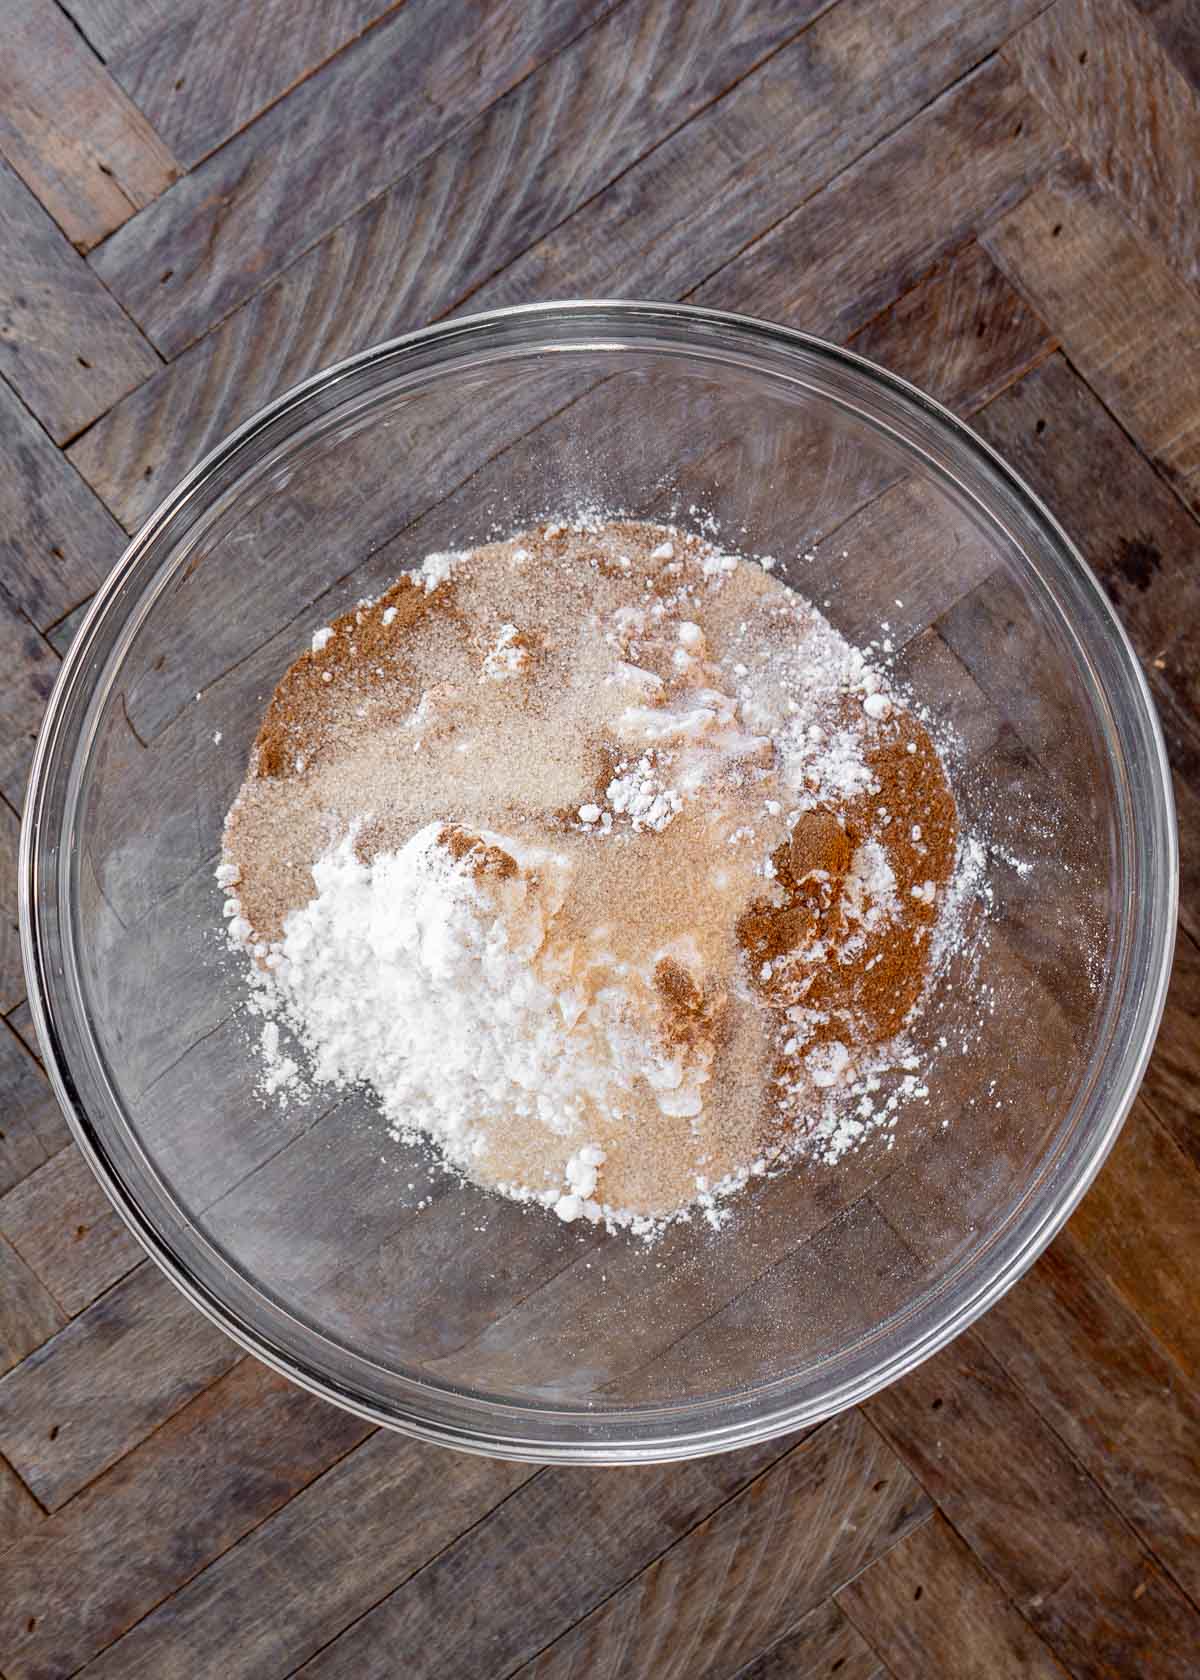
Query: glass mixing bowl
[[352, 1264]]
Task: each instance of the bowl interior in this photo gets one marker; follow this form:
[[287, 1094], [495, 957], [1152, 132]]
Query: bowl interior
[[354, 1261]]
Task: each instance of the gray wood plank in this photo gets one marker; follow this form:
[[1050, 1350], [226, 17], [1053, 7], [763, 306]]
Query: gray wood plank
[[544, 1558], [849, 251], [374, 111], [91, 1393], [116, 26], [821, 1645], [689, 206], [418, 249], [32, 1127], [57, 540], [62, 1224], [66, 346], [29, 677], [208, 1477], [1034, 1519], [213, 65], [73, 135], [930, 1606], [1100, 71], [308, 1571], [29, 1314], [771, 1548], [20, 1513], [1104, 1385], [1127, 320], [1177, 25], [61, 635], [12, 977]]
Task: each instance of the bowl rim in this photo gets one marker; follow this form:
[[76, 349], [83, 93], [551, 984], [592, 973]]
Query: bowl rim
[[589, 1445]]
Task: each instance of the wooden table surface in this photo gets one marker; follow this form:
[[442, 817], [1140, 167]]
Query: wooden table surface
[[202, 201]]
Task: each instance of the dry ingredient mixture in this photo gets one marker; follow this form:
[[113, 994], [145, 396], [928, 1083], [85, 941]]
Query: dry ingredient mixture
[[604, 861]]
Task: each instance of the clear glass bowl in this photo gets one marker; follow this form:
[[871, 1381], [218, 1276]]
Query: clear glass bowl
[[469, 1320]]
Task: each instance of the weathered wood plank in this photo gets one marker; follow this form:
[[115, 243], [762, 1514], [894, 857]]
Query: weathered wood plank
[[21, 1021], [1035, 1520], [374, 111], [364, 1526], [32, 1127], [1133, 532], [961, 334], [31, 668], [545, 1558], [66, 346], [1138, 1223], [29, 1314], [445, 227], [1172, 1083], [691, 205], [215, 64], [57, 540], [219, 1468], [1127, 321], [88, 1396], [1177, 25], [823, 1644], [62, 1225], [73, 136], [12, 978], [61, 635], [847, 252], [1101, 73], [116, 26], [1124, 1409], [771, 1548], [20, 1513], [930, 1606]]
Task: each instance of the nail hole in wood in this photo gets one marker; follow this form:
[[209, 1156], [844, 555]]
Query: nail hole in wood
[[1040, 427], [165, 277], [937, 1405], [1018, 130], [1056, 230], [83, 361], [54, 1432], [80, 1232], [31, 1624], [148, 472], [918, 1594], [104, 170], [879, 1486], [58, 553], [1083, 56], [179, 83], [840, 1663]]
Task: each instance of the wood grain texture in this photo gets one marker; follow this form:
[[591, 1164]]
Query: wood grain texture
[[1127, 321], [823, 1644], [308, 163], [526, 1579], [368, 1523], [12, 978], [1177, 26], [31, 1124], [63, 1225], [113, 27], [450, 223], [1100, 71], [1087, 1364], [882, 222], [57, 541], [28, 679], [742, 1578], [210, 68], [961, 334], [934, 1610], [1035, 1520], [1172, 1083], [1135, 1224], [29, 1314], [73, 136], [91, 1393], [207, 1478], [66, 347], [692, 204], [20, 1513], [21, 1020]]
